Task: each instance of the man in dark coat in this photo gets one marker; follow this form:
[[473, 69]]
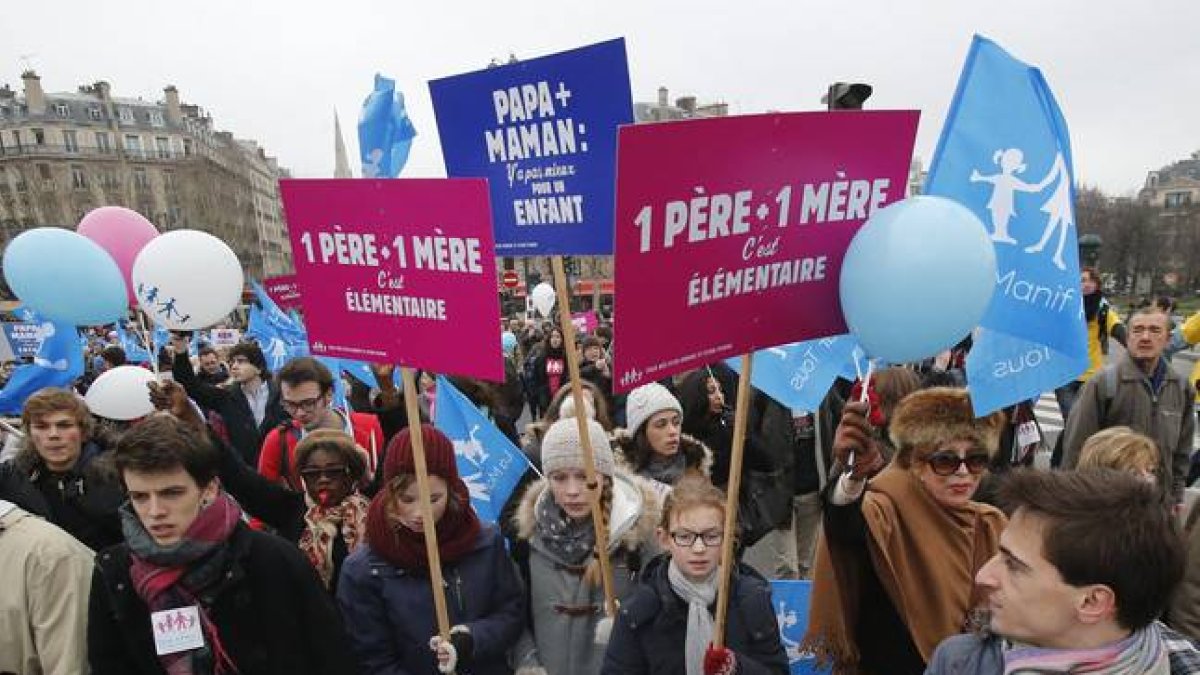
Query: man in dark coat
[[249, 406]]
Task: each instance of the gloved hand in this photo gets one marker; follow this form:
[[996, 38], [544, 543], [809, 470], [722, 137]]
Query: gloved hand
[[855, 435], [719, 661], [450, 653]]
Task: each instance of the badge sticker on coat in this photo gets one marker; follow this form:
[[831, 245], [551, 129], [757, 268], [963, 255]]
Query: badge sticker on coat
[[176, 630]]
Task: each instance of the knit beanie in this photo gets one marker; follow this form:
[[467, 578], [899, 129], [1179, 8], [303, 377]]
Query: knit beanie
[[439, 455], [561, 448], [645, 401]]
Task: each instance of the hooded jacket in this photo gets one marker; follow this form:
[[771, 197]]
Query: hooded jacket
[[564, 609], [389, 611], [651, 627]]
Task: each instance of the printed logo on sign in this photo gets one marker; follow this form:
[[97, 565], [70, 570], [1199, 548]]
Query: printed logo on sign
[[631, 378], [177, 630], [473, 452], [1006, 185]]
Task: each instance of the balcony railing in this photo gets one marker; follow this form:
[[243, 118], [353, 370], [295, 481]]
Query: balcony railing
[[88, 151]]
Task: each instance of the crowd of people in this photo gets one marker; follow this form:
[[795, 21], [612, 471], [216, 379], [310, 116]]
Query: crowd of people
[[252, 525]]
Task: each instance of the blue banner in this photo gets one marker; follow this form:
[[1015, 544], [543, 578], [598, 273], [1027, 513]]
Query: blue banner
[[544, 134], [281, 337], [488, 462], [24, 338], [58, 363], [385, 132], [798, 375], [1005, 154], [791, 602], [134, 346]]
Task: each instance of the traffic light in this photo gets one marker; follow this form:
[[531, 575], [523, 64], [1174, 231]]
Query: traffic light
[[846, 96]]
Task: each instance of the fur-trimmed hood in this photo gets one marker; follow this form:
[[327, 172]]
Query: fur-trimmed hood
[[636, 512], [698, 455]]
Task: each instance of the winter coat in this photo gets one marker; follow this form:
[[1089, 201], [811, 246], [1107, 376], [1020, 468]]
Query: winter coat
[[83, 500], [1184, 613], [390, 616], [651, 627], [272, 613], [230, 402], [564, 609], [698, 457], [1165, 417], [45, 575]]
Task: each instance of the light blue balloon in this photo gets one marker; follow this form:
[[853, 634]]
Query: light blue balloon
[[65, 276], [917, 278]]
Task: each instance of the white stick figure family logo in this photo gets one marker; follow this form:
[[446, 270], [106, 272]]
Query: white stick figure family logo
[[471, 450], [1002, 204]]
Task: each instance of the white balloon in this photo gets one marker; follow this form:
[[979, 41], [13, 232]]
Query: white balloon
[[543, 298], [187, 280], [121, 394]]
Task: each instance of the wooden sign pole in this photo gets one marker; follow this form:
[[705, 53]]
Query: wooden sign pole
[[740, 421]]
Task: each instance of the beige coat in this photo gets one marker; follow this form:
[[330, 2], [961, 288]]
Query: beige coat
[[45, 577]]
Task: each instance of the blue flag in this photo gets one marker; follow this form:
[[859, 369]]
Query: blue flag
[[798, 375], [58, 363], [280, 336], [135, 348], [336, 366], [790, 600], [1005, 154], [385, 132], [488, 462]]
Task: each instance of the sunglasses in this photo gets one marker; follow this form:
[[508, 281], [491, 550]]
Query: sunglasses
[[330, 472], [947, 463]]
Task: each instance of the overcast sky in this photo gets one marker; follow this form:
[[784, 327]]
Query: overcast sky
[[1125, 73]]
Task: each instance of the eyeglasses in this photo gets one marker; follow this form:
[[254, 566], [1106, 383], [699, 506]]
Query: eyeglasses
[[307, 405], [330, 472], [687, 538], [947, 463]]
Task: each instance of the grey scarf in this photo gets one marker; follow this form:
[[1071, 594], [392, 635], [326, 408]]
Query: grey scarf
[[571, 541], [668, 470], [699, 596]]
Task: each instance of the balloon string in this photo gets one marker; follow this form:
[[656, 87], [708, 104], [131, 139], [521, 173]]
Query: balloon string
[[150, 347]]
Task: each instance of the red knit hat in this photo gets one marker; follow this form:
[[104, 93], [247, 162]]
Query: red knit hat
[[439, 455]]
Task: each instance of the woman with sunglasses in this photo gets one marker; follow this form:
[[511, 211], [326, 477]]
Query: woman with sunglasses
[[896, 565]]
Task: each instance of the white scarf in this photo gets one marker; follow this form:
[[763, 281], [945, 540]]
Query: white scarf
[[698, 596]]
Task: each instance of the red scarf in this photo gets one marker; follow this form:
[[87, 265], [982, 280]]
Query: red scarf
[[175, 576], [322, 524], [457, 531]]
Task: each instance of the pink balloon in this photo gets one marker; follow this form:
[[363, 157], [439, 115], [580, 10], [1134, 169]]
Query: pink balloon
[[123, 233]]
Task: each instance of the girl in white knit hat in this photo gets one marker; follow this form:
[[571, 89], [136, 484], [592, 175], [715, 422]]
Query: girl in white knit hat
[[653, 444], [556, 550]]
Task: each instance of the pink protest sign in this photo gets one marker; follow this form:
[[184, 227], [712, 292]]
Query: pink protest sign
[[283, 290], [398, 271], [585, 322], [731, 231]]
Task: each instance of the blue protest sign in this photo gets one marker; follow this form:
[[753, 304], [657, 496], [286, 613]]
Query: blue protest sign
[[791, 600], [23, 337], [1005, 153], [488, 462], [544, 134], [58, 362], [798, 375]]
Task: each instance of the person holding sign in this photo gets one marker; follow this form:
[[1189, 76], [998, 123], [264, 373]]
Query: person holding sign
[[895, 568], [384, 589], [556, 550], [666, 626], [653, 445], [193, 589]]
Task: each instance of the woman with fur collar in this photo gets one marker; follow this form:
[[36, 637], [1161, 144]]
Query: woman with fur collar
[[653, 445], [896, 565], [555, 549]]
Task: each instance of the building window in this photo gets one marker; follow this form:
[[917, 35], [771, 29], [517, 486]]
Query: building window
[[163, 146], [133, 144], [78, 178], [39, 136], [16, 136], [169, 180], [140, 179], [108, 179], [1174, 200], [95, 114], [156, 118], [44, 171], [102, 142], [62, 110], [187, 146], [70, 141], [126, 115], [3, 111]]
